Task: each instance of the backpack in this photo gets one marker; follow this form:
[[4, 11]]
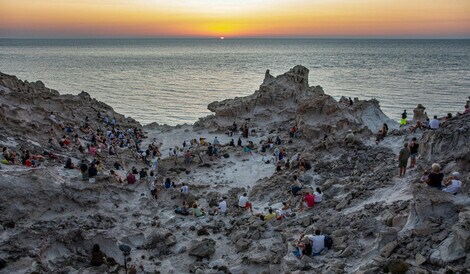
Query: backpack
[[328, 242]]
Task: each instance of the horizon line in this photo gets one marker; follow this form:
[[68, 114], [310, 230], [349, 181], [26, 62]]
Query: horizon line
[[242, 37]]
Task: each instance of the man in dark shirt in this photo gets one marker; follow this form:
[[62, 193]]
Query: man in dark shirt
[[413, 152]]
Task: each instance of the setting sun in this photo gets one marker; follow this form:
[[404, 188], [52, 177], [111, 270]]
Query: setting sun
[[259, 18]]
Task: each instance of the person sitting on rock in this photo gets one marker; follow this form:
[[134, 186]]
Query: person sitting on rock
[[130, 178], [296, 186], [424, 178], [167, 184], [304, 165], [143, 174], [453, 184], [309, 201], [197, 211], [69, 164], [222, 207], [318, 243], [434, 123], [184, 189], [115, 178], [435, 177], [318, 195], [98, 257], [382, 133], [284, 212], [184, 209], [349, 139], [7, 159], [466, 110], [244, 203], [418, 125], [92, 170], [303, 246], [271, 214]]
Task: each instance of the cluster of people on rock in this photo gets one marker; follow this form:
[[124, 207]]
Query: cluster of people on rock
[[24, 157], [435, 178]]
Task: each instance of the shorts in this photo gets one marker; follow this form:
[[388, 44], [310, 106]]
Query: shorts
[[403, 163], [247, 205], [403, 121], [413, 156]]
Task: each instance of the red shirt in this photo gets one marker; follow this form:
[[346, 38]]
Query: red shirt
[[131, 178], [310, 199]]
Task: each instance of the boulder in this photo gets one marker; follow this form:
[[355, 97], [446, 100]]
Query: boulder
[[419, 259], [242, 244], [202, 249], [387, 250]]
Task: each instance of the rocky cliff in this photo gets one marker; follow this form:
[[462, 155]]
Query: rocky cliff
[[25, 108], [288, 100]]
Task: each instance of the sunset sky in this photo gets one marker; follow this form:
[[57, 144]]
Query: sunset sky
[[234, 18]]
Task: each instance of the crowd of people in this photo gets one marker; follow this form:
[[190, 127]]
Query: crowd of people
[[109, 141]]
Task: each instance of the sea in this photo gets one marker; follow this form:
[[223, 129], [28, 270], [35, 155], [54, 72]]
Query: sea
[[171, 81]]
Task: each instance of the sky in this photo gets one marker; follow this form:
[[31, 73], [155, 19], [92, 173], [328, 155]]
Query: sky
[[234, 18]]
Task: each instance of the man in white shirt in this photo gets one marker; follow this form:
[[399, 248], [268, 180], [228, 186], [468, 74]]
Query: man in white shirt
[[434, 123], [244, 203], [184, 189], [318, 243], [222, 206]]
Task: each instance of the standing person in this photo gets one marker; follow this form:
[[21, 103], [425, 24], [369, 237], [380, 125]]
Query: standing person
[[154, 164], [413, 152], [244, 203], [188, 158], [403, 118], [216, 141], [153, 189], [434, 123], [435, 177], [239, 142], [403, 159]]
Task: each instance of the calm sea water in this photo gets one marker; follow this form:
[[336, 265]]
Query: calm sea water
[[172, 80]]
